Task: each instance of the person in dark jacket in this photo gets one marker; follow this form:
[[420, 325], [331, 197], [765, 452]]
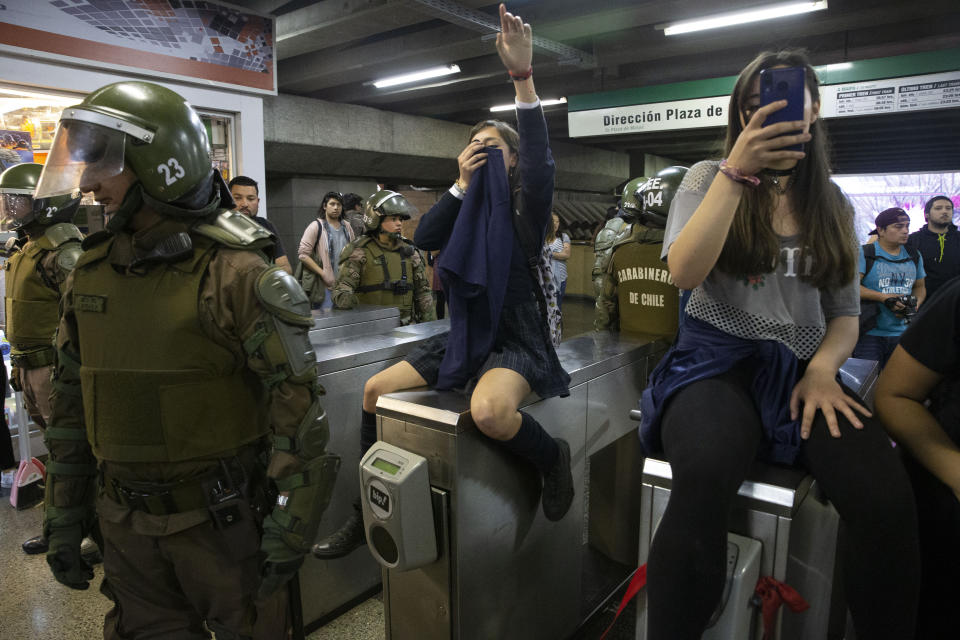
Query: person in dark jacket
[[521, 357], [938, 242]]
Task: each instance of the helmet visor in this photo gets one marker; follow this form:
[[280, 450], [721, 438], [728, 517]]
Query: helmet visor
[[15, 208], [82, 154], [396, 205]]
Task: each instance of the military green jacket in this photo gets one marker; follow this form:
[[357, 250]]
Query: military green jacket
[[635, 291], [35, 277], [231, 315], [370, 273]]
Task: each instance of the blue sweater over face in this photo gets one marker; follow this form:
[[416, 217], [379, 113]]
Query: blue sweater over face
[[537, 169]]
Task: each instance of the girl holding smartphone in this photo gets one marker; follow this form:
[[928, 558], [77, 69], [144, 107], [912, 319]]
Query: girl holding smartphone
[[765, 241]]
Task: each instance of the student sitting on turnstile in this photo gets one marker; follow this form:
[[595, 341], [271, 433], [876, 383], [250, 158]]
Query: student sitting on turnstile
[[767, 244], [511, 350]]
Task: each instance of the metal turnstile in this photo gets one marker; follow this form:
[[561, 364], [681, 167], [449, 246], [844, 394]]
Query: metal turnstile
[[785, 511], [350, 345], [503, 571], [363, 319], [796, 526]]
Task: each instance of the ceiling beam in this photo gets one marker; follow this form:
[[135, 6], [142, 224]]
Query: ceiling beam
[[459, 14], [324, 25]]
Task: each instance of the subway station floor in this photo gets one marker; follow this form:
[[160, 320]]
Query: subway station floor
[[33, 605]]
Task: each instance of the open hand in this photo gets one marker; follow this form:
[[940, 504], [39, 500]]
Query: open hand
[[817, 390], [514, 42]]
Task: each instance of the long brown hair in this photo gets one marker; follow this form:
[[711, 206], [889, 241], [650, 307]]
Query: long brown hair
[[551, 234], [823, 214]]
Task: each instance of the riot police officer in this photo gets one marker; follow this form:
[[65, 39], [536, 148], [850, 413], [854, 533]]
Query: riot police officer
[[185, 393], [382, 267], [36, 272], [633, 285]]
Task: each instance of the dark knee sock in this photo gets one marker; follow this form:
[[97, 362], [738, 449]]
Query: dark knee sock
[[534, 444], [368, 431]]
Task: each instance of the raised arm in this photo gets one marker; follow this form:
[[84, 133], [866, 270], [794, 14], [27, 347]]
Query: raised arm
[[696, 250]]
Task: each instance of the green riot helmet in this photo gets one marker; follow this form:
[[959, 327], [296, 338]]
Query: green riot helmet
[[657, 193], [143, 125], [18, 207], [382, 204], [630, 203]]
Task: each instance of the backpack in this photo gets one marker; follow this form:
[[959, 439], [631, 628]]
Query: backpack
[[869, 311]]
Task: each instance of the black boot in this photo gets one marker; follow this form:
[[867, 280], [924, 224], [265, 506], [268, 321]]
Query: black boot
[[35, 545], [345, 539], [557, 492]]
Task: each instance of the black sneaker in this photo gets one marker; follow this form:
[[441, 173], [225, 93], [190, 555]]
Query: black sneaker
[[557, 492], [35, 545], [344, 540]]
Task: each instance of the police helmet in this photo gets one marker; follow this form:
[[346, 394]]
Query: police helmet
[[141, 124], [382, 204], [656, 194], [630, 202], [19, 208]]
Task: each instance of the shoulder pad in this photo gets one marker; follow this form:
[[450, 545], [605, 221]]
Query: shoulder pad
[[626, 233], [61, 233], [283, 297], [95, 238], [236, 231], [352, 246], [67, 257], [95, 247], [609, 232], [640, 234]]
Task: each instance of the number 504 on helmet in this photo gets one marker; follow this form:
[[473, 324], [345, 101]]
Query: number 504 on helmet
[[145, 126]]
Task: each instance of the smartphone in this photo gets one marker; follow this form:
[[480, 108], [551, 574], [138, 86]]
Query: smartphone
[[783, 84]]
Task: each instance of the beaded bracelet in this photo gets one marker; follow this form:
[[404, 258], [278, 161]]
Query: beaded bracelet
[[738, 176]]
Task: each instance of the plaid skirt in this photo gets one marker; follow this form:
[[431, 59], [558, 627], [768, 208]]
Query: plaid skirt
[[521, 345]]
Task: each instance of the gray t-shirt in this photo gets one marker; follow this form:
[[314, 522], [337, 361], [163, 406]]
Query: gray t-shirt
[[338, 240], [770, 306]]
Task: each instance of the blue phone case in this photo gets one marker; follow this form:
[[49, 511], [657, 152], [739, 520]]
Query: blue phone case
[[783, 84]]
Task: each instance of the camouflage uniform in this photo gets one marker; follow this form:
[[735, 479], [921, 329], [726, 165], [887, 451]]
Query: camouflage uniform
[[186, 412], [373, 273], [230, 315]]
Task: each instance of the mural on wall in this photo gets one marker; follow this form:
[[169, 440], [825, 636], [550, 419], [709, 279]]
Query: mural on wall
[[192, 38], [872, 194]]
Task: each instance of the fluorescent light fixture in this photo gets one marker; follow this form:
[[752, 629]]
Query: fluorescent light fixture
[[742, 17], [434, 72], [543, 103]]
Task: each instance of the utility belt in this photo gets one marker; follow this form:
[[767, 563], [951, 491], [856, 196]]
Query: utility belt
[[223, 492], [399, 287], [33, 359]]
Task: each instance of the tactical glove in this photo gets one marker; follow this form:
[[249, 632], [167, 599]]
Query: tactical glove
[[64, 557], [281, 562]]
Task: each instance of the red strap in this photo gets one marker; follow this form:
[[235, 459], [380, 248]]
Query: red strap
[[637, 582], [774, 593]]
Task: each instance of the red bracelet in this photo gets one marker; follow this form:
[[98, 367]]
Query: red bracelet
[[521, 76], [738, 176]]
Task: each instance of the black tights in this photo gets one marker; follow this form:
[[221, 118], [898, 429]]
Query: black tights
[[711, 431]]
